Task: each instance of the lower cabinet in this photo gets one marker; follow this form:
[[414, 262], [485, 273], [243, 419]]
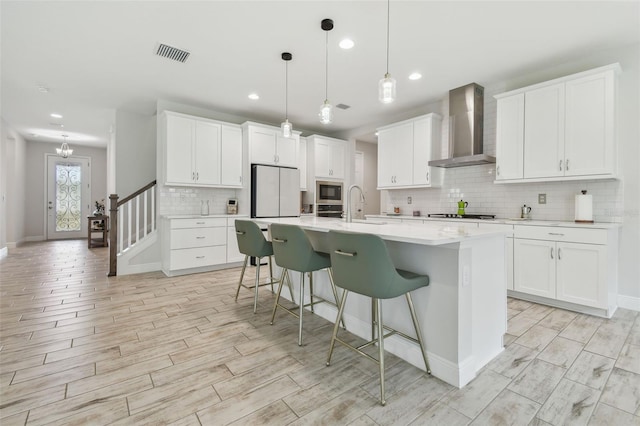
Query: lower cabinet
[[572, 265], [508, 229], [197, 244]]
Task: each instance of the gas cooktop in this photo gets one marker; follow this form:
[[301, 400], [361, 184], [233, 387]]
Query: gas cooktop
[[464, 216]]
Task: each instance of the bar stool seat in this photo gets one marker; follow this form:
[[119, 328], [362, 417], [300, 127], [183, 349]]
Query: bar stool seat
[[293, 251], [361, 264], [252, 243]]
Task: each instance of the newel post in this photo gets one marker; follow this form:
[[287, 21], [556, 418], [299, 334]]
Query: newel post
[[113, 235]]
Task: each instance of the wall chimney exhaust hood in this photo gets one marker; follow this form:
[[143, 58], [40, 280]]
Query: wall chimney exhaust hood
[[466, 115]]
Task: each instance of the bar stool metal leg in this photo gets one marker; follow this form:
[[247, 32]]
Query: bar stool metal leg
[[311, 291], [275, 305], [244, 266], [378, 303], [335, 295], [255, 299], [271, 271], [336, 325], [416, 325], [301, 305]]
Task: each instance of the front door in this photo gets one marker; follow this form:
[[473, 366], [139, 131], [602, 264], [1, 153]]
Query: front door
[[68, 197]]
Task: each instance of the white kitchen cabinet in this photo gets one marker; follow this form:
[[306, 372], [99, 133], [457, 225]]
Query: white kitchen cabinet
[[233, 253], [573, 265], [231, 156], [508, 230], [200, 152], [302, 164], [329, 157], [404, 150], [510, 138], [268, 146], [568, 129]]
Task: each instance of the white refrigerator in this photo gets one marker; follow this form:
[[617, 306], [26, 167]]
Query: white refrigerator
[[275, 191]]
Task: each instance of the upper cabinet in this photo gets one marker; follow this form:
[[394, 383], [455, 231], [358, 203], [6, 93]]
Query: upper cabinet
[[329, 157], [200, 152], [558, 130], [268, 146], [404, 151]]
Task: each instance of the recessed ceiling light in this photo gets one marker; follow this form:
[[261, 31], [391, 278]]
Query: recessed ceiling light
[[346, 43], [415, 76], [43, 89], [54, 115], [254, 96]]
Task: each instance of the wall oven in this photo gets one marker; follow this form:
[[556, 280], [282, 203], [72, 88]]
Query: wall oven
[[328, 192], [329, 210]]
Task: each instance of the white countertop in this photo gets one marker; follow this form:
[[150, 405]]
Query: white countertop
[[199, 216], [508, 221], [402, 232]]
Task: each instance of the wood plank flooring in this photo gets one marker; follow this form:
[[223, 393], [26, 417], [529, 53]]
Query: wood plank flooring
[[80, 348]]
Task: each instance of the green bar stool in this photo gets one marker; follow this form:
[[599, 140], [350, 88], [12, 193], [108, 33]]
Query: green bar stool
[[252, 243], [361, 264], [293, 251]]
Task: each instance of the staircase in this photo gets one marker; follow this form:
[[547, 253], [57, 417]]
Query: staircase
[[133, 225]]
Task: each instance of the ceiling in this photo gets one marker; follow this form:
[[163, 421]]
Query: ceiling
[[96, 57]]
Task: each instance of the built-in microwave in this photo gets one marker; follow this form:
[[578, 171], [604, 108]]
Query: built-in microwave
[[328, 192]]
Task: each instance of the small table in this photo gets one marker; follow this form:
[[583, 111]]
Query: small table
[[98, 224]]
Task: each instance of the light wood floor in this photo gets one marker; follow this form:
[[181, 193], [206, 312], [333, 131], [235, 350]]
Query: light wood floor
[[80, 348]]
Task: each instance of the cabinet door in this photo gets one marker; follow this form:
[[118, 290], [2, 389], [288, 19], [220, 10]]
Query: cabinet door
[[207, 153], [544, 132], [262, 145], [302, 163], [509, 260], [589, 145], [336, 159], [179, 133], [534, 267], [510, 138], [581, 274], [231, 156], [321, 155], [286, 151], [401, 160], [422, 131], [385, 152]]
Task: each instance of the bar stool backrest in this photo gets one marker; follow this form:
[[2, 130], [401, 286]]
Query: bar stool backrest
[[251, 241], [293, 250], [364, 265]]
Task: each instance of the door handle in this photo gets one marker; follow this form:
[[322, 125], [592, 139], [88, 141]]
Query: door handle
[[560, 165], [552, 252], [559, 253], [498, 170], [566, 164]]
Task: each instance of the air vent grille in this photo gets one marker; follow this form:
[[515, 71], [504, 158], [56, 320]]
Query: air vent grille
[[173, 53], [343, 106]]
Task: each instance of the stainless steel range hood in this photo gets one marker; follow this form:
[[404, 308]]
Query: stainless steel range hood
[[466, 115]]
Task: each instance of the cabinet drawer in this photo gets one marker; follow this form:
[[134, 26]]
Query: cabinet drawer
[[194, 237], [508, 229], [197, 257], [553, 233], [203, 222]]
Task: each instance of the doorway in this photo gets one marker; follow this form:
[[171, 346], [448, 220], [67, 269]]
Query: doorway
[[68, 196]]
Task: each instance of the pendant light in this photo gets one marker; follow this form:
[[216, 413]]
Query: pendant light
[[387, 85], [64, 151], [286, 126], [326, 110]]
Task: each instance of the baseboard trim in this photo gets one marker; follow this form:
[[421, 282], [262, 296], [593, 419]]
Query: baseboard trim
[[629, 302], [139, 268], [35, 238]]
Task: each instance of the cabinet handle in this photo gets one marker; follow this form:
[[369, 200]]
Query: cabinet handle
[[427, 176], [240, 179], [556, 233], [193, 175], [559, 253], [200, 238], [199, 223], [552, 252], [566, 164], [560, 165], [197, 175], [498, 170], [199, 257]]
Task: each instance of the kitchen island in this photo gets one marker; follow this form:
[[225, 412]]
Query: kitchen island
[[463, 312]]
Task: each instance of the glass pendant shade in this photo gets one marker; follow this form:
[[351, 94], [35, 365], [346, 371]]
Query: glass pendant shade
[[286, 128], [326, 112], [387, 89], [64, 151]]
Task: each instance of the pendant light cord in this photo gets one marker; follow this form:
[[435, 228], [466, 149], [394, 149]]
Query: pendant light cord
[[388, 11], [326, 78], [286, 90]]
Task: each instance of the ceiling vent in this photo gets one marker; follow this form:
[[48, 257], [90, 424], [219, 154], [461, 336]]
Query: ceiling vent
[[343, 106], [173, 53]]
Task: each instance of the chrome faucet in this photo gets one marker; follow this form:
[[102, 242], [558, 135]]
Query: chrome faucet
[[349, 218]]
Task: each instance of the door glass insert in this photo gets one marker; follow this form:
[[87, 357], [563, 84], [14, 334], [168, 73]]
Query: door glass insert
[[68, 197]]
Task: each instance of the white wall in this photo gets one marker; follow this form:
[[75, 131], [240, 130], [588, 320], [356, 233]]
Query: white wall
[[135, 151], [614, 200], [34, 198], [13, 171]]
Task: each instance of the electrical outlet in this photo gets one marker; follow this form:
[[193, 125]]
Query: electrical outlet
[[542, 198], [409, 200]]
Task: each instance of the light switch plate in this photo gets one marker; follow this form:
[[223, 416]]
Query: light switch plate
[[409, 200], [542, 198]]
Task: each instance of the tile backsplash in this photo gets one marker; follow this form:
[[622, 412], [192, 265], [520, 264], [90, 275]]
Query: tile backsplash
[[185, 200], [475, 185]]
